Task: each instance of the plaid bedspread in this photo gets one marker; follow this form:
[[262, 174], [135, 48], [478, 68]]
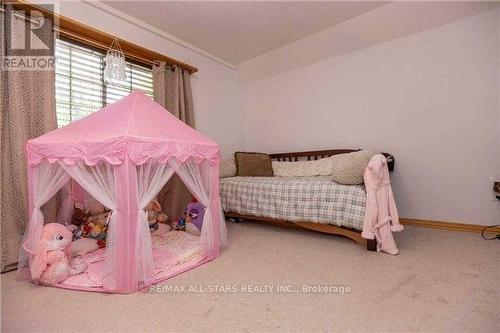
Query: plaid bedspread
[[296, 199]]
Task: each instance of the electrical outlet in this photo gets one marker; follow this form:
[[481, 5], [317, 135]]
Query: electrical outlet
[[496, 189]]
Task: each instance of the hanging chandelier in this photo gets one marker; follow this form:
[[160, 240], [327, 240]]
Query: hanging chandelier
[[115, 66]]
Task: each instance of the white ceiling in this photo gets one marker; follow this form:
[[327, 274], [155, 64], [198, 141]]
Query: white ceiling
[[237, 31]]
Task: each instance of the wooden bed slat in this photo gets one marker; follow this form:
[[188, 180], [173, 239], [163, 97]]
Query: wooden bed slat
[[318, 154], [353, 234]]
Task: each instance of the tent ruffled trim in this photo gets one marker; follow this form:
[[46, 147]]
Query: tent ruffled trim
[[115, 151]]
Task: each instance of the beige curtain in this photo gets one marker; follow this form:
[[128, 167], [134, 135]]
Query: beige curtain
[[172, 90], [28, 110]]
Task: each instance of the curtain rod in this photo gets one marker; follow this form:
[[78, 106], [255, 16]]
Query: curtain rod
[[20, 16], [103, 46]]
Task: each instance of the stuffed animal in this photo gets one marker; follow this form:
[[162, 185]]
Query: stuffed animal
[[194, 217], [101, 218], [180, 224], [96, 214], [51, 264], [192, 220], [97, 230], [77, 233], [79, 216], [94, 227], [155, 215], [85, 229], [153, 207]]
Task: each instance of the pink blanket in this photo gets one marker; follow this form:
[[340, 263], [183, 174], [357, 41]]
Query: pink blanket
[[170, 251], [381, 215]]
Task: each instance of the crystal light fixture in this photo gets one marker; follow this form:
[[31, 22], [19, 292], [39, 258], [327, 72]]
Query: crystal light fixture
[[115, 69]]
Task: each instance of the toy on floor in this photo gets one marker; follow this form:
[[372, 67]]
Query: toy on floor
[[194, 217], [79, 216], [155, 215], [51, 262], [192, 221], [98, 230], [92, 227], [91, 222], [179, 225]]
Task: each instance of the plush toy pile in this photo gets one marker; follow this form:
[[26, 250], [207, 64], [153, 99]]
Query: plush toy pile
[[92, 222]]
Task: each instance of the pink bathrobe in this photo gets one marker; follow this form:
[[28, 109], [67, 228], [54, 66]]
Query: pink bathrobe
[[381, 215]]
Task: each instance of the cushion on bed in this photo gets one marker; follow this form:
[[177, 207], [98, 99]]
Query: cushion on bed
[[227, 168], [253, 164], [348, 169], [321, 167]]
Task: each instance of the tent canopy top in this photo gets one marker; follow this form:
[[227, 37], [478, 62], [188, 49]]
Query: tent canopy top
[[135, 127]]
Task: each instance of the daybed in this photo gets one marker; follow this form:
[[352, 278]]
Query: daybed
[[315, 203]]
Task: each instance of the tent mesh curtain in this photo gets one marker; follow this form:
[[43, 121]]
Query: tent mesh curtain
[[99, 182], [151, 178], [198, 178], [44, 182]]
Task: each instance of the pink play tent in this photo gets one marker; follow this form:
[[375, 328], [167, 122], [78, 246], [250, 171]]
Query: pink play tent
[[123, 155]]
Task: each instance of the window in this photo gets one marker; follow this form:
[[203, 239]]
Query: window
[[80, 86]]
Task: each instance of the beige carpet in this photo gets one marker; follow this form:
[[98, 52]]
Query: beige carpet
[[441, 281]]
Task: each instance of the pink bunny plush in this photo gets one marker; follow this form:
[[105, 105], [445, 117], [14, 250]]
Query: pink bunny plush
[[50, 263]]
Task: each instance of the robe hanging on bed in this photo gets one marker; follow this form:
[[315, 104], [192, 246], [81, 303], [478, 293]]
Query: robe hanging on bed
[[381, 214]]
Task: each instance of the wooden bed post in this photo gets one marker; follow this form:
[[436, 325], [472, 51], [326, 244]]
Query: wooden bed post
[[371, 244]]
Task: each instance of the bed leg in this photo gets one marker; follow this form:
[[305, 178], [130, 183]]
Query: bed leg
[[371, 244], [234, 219]]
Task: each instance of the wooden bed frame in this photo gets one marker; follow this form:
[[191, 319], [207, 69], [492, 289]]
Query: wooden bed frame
[[353, 234]]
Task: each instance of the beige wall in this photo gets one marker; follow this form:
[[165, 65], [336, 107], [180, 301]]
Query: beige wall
[[216, 88], [431, 99]]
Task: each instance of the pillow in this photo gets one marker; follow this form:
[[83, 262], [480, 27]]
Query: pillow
[[227, 168], [83, 246], [253, 164], [321, 167], [348, 169]]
